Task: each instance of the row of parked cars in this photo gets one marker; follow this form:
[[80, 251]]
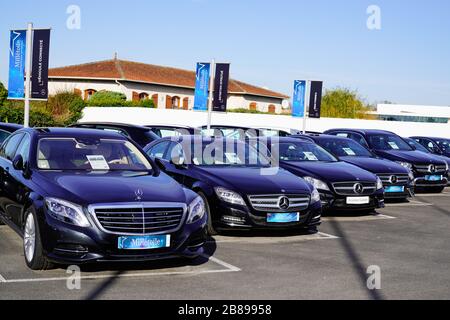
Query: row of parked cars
[[115, 192]]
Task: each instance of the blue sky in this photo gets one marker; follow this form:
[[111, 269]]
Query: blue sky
[[268, 43]]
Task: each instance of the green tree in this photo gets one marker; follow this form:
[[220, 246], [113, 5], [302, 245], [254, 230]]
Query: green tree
[[3, 94], [344, 103], [108, 99]]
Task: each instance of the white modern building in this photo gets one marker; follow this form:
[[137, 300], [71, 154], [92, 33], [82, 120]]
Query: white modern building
[[169, 88], [413, 113]]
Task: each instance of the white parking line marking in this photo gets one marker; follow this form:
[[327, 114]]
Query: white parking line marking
[[2, 279], [357, 218], [443, 194], [275, 240], [411, 203], [385, 216], [229, 268]]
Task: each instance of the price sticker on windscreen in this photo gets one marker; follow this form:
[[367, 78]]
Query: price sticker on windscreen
[[98, 162], [310, 156], [349, 152], [393, 145]]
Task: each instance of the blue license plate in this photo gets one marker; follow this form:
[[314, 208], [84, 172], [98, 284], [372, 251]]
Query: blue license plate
[[283, 217], [144, 242], [394, 189], [433, 178]]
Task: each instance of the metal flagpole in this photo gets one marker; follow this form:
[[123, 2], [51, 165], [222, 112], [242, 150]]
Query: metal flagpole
[[211, 91], [307, 94], [28, 75]]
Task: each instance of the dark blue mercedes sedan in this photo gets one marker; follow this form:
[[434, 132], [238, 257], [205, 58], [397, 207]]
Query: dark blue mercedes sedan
[[397, 180], [240, 186], [342, 186], [430, 172], [78, 196]]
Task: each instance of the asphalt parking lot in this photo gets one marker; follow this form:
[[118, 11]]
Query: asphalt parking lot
[[409, 242]]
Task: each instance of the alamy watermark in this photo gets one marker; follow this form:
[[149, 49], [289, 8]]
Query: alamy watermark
[[73, 21], [73, 282], [374, 19], [374, 279]]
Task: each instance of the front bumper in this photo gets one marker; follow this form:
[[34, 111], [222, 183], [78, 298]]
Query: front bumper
[[407, 193], [67, 244], [421, 182], [332, 201], [234, 217]]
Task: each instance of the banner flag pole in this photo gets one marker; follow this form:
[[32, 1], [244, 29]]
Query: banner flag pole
[[308, 86], [28, 74], [211, 92]]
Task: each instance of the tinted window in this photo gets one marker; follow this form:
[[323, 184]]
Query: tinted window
[[4, 135], [444, 144], [344, 148], [24, 148], [302, 152], [159, 150], [175, 152], [388, 142], [9, 148]]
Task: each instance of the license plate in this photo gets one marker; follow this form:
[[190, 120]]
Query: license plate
[[283, 217], [394, 189], [144, 242], [433, 178], [358, 200]]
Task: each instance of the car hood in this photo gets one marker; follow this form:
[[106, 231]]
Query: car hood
[[254, 181], [375, 165], [112, 187], [415, 157], [329, 171]]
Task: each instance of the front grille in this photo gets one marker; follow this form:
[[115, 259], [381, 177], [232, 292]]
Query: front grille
[[425, 168], [271, 203], [348, 188], [139, 219], [387, 179]]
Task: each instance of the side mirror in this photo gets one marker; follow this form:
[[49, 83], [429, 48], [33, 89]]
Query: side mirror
[[18, 163], [160, 164]]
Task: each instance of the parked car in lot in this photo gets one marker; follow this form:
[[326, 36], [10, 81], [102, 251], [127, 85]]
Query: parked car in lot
[[342, 186], [164, 131], [237, 183], [139, 134], [438, 146], [6, 129], [227, 131], [430, 172], [397, 180], [79, 196]]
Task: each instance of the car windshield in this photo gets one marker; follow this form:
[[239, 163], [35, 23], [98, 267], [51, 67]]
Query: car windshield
[[228, 153], [345, 148], [90, 155], [413, 143], [444, 144], [388, 142], [302, 151]]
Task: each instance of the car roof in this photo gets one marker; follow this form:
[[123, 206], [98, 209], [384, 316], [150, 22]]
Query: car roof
[[364, 131], [292, 139], [432, 138], [74, 132], [112, 124], [228, 127], [10, 126], [169, 126]]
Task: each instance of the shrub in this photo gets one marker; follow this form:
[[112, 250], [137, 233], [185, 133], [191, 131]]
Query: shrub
[[3, 94], [108, 99], [344, 103], [147, 103]]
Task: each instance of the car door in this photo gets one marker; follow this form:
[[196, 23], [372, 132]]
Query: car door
[[174, 153], [19, 185], [7, 188]]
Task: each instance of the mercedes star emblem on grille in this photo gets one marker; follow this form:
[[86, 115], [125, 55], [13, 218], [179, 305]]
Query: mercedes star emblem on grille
[[394, 179], [432, 168], [284, 203], [359, 188]]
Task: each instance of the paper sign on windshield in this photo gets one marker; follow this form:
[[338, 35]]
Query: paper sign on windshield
[[393, 145], [349, 151], [310, 156], [98, 162]]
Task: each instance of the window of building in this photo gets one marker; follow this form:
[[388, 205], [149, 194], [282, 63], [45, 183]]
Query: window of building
[[272, 109], [89, 93], [176, 102], [143, 96], [253, 106]]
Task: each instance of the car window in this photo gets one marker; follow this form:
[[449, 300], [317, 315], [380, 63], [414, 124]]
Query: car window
[[24, 148], [388, 142], [4, 135], [301, 151], [175, 152], [163, 133], [444, 144], [159, 150], [115, 130], [10, 146]]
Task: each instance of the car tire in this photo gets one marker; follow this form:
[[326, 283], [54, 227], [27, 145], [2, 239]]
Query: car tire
[[32, 244], [210, 228]]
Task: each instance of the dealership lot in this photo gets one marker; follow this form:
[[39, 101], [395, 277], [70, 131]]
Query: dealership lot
[[408, 241]]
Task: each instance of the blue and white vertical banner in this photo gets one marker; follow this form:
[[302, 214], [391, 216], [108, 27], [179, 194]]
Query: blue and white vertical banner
[[298, 103], [17, 54], [202, 78]]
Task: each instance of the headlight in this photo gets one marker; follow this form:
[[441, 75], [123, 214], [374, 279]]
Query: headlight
[[407, 165], [315, 196], [67, 212], [197, 210], [229, 196], [379, 184], [446, 166], [318, 184]]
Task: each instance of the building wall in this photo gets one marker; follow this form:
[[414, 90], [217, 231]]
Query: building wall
[[186, 95]]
